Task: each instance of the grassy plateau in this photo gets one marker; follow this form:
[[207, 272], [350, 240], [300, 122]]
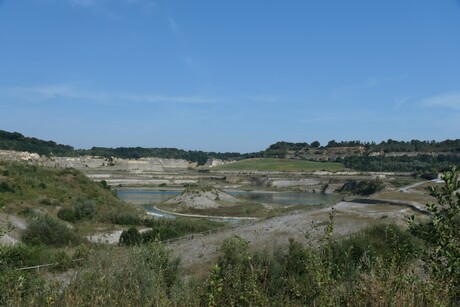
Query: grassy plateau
[[272, 164]]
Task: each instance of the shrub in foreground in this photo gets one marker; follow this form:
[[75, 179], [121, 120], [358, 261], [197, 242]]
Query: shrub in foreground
[[47, 230]]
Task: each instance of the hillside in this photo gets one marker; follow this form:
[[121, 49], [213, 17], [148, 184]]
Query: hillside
[[18, 142], [26, 190], [390, 155], [272, 164]]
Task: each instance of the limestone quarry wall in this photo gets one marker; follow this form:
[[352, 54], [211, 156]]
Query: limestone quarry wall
[[90, 162]]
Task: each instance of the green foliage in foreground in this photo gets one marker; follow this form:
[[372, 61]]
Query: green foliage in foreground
[[271, 164], [378, 266], [47, 230], [442, 232]]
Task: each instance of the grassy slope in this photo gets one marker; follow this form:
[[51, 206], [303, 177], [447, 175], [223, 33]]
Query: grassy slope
[[24, 187], [270, 164]]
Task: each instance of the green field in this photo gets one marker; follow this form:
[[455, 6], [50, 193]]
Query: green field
[[269, 164]]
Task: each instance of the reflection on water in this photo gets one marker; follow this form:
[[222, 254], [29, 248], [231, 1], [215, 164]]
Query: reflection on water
[[286, 198], [146, 197], [150, 198], [275, 198]]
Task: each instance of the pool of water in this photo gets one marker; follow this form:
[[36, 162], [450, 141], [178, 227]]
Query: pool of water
[[274, 198], [286, 198], [145, 196], [149, 198]]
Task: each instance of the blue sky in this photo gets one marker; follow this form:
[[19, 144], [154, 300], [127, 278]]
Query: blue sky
[[229, 75]]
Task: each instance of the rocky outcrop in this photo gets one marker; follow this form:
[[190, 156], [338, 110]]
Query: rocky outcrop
[[213, 162], [11, 155]]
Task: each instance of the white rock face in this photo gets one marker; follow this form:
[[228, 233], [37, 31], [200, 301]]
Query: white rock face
[[90, 162], [11, 155], [212, 162]]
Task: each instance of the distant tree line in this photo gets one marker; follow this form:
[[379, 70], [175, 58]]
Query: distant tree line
[[17, 141], [422, 163], [390, 145], [450, 150], [171, 153]]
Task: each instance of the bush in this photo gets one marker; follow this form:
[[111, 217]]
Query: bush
[[47, 230], [125, 219], [234, 281], [22, 288], [21, 255], [364, 187], [442, 233], [387, 243], [5, 187], [67, 214], [144, 275], [81, 210], [85, 209], [62, 260], [130, 237]]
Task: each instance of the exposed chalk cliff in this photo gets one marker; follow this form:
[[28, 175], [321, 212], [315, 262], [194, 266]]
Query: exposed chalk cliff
[[90, 162]]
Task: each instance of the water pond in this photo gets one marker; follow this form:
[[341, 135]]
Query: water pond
[[144, 197]]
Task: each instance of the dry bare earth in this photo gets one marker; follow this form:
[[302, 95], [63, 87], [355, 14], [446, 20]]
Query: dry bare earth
[[10, 229], [350, 217], [202, 199]]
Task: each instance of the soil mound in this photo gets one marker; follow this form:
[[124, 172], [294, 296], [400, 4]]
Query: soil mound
[[203, 198]]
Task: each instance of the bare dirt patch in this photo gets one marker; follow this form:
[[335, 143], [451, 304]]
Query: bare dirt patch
[[199, 251]]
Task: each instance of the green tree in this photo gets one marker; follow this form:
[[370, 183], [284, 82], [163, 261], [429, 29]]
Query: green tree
[[130, 237], [442, 232]]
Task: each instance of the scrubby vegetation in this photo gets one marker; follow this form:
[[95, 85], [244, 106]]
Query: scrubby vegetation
[[28, 188], [383, 265], [378, 266], [47, 230], [363, 187], [166, 229]]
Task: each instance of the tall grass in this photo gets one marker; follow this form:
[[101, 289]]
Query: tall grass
[[379, 266]]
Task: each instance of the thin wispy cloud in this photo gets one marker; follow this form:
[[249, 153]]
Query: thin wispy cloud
[[65, 92], [174, 26], [341, 90], [56, 92], [191, 62], [86, 3], [400, 102], [113, 9], [449, 100], [368, 83]]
